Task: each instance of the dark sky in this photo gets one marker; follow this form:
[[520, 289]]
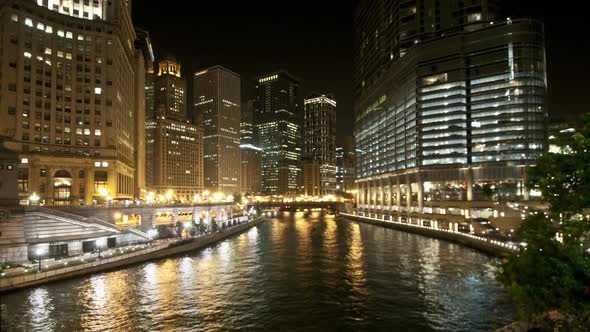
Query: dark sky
[[310, 39], [313, 41]]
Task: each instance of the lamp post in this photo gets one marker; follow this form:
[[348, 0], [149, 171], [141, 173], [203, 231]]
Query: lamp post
[[39, 258]]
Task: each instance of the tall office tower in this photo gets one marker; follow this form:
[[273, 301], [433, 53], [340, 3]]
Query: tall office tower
[[68, 98], [170, 90], [145, 57], [144, 43], [319, 136], [174, 145], [218, 103], [456, 115], [250, 154], [345, 168], [278, 123]]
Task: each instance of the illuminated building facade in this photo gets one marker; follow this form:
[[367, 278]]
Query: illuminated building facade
[[178, 164], [278, 124], [218, 103], [68, 98], [319, 136], [144, 44], [174, 145], [250, 153], [452, 118], [345, 169], [170, 90]]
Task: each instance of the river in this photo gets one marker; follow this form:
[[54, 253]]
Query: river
[[291, 273]]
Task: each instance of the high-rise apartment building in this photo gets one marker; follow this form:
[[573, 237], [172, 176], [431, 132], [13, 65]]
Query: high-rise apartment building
[[68, 98], [149, 123], [218, 103], [250, 153], [345, 169], [450, 105], [319, 136], [278, 124], [174, 145], [170, 90]]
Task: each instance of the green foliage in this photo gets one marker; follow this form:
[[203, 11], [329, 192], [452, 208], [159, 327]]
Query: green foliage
[[549, 274], [564, 178]]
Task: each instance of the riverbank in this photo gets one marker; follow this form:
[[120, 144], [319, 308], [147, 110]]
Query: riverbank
[[488, 246], [140, 256]]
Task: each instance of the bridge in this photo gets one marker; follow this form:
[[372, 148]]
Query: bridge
[[299, 206]]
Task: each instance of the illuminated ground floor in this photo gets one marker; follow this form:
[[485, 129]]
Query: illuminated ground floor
[[447, 195], [67, 180]]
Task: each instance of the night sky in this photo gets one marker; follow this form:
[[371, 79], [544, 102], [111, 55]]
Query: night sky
[[313, 41]]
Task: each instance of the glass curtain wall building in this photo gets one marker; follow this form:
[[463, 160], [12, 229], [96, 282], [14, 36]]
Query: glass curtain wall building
[[278, 124], [456, 115]]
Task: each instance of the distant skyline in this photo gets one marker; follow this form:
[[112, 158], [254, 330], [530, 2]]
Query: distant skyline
[[313, 41]]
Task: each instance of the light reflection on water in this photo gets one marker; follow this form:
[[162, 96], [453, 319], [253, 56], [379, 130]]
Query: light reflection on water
[[293, 273]]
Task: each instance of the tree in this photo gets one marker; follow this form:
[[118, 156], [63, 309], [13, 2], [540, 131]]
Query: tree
[[553, 272]]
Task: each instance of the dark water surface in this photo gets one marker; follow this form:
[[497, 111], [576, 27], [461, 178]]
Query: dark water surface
[[291, 273]]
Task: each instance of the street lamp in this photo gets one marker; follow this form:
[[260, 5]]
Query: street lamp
[[38, 252], [34, 198]]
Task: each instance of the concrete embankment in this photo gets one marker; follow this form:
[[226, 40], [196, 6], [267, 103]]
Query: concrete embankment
[[152, 253], [492, 247]]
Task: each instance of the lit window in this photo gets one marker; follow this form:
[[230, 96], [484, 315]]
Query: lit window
[[97, 91], [41, 26], [105, 164], [28, 55], [48, 29], [69, 56], [60, 33], [69, 35], [29, 22], [80, 37], [97, 132], [60, 54], [97, 164], [14, 17], [24, 160], [86, 131], [47, 50]]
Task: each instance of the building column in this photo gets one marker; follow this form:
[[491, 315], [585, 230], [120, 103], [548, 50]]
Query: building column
[[525, 187], [420, 192], [390, 198], [398, 193], [469, 183], [408, 192], [381, 193], [89, 189]]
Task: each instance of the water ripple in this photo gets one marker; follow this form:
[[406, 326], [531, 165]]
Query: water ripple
[[295, 273]]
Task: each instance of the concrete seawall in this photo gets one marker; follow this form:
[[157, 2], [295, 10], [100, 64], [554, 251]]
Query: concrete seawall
[[157, 252], [487, 246]]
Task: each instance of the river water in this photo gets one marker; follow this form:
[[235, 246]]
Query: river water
[[291, 273]]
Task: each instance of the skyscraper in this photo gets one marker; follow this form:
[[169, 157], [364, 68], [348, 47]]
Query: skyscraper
[[68, 98], [143, 96], [144, 44], [218, 102], [319, 136], [345, 168], [450, 104], [250, 153], [174, 144], [278, 122], [170, 90]]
